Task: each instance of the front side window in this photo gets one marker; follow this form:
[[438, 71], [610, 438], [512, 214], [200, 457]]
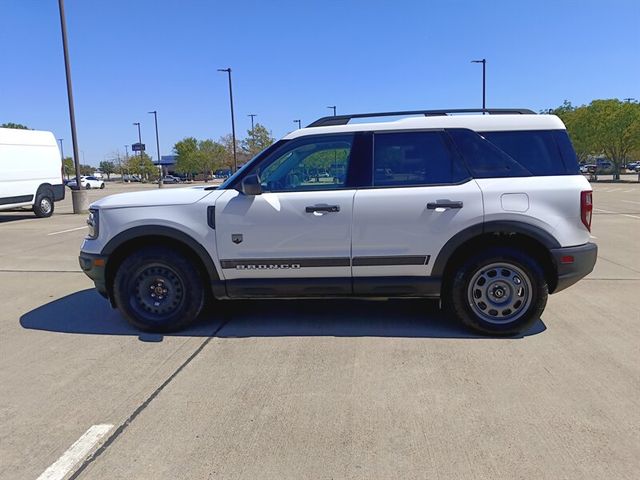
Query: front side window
[[414, 159], [311, 163]]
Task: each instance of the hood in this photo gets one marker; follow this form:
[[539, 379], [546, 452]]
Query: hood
[[155, 198]]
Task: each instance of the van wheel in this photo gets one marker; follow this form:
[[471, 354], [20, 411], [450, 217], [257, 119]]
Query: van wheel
[[158, 290], [498, 292], [43, 206]]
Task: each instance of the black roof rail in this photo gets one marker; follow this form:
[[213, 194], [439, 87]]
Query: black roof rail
[[344, 119]]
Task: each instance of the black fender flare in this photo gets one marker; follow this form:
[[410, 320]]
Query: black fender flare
[[506, 226], [168, 232]]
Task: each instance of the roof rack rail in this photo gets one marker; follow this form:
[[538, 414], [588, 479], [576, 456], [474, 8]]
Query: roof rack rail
[[344, 119]]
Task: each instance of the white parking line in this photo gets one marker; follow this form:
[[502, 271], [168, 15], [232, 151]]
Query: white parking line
[[629, 191], [630, 201], [616, 213], [65, 231], [75, 453]]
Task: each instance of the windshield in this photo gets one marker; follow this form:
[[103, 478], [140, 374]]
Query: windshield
[[231, 180]]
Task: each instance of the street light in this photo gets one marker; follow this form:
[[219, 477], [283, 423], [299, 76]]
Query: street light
[[334, 110], [155, 117], [484, 81], [233, 122], [252, 115], [299, 122], [139, 138], [78, 196]]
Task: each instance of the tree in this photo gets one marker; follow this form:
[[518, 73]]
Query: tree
[[86, 170], [17, 126], [107, 168], [610, 127], [186, 151], [69, 168], [211, 156], [257, 140]]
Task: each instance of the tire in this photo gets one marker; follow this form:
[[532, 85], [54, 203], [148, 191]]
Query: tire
[[501, 291], [158, 290], [44, 205], [87, 186], [101, 186]]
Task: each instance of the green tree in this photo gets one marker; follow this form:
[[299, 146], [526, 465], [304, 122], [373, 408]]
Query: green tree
[[107, 168], [610, 127], [257, 140], [17, 126], [69, 168], [211, 156], [86, 170], [187, 159]]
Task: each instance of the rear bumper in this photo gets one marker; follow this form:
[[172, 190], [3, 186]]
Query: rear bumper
[[569, 272], [93, 266]]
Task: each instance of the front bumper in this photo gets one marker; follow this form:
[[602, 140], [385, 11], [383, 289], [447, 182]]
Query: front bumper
[[93, 265], [569, 272]]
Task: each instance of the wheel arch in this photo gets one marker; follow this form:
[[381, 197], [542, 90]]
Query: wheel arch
[[127, 241], [528, 238]]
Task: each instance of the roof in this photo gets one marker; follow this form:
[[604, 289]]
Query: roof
[[15, 136], [479, 123]]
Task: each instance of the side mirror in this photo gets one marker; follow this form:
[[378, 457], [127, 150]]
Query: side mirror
[[251, 185]]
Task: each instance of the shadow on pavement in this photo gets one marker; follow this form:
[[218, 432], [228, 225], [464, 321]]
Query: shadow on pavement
[[86, 312], [16, 216]]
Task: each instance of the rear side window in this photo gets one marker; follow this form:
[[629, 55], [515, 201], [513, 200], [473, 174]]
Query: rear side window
[[415, 158], [483, 158], [537, 150]]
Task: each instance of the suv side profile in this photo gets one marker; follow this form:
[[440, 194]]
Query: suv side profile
[[488, 213]]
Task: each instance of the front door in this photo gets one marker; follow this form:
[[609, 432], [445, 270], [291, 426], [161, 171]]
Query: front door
[[298, 228]]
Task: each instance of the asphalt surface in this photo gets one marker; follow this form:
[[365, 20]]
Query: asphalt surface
[[316, 389]]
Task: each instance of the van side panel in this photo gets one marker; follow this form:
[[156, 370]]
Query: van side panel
[[28, 159]]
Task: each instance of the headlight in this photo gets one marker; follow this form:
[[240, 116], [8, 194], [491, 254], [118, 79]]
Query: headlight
[[93, 222]]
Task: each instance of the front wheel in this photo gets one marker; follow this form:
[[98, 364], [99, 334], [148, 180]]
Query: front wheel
[[87, 186], [498, 292], [158, 290], [101, 186], [43, 206]]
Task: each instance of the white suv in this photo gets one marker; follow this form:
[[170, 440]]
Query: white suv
[[487, 212]]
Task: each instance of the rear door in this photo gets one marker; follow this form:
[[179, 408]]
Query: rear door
[[421, 196]]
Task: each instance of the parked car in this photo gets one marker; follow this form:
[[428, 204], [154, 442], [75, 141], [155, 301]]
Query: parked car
[[131, 178], [487, 212], [170, 179], [31, 173], [86, 183], [633, 166]]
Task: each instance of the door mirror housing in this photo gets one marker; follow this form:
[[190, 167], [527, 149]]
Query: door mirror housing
[[251, 185]]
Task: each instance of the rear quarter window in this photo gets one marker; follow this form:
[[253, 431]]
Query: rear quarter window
[[542, 152]]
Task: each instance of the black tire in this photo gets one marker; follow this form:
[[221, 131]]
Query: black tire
[[101, 186], [510, 286], [158, 290], [87, 186], [44, 205]]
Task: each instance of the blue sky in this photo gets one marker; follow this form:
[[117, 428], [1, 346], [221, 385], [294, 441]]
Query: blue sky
[[291, 59]]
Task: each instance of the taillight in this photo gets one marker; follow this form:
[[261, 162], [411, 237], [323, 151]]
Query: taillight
[[586, 208]]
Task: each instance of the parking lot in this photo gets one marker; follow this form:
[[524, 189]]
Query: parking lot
[[317, 389]]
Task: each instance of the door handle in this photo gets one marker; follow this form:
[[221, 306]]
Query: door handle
[[444, 204], [322, 208]]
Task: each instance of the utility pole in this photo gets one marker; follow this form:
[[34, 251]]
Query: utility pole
[[78, 195], [484, 81], [252, 115], [155, 117], [334, 110], [233, 122]]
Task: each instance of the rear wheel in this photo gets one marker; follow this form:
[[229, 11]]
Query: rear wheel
[[499, 292], [101, 186], [43, 206], [158, 290], [87, 186]]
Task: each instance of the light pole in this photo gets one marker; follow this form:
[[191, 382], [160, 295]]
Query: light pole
[[299, 122], [484, 81], [62, 156], [233, 122], [334, 110], [155, 117], [139, 138], [252, 115], [78, 195], [126, 161]]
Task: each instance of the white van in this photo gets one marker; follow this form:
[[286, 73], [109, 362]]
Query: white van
[[30, 171]]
